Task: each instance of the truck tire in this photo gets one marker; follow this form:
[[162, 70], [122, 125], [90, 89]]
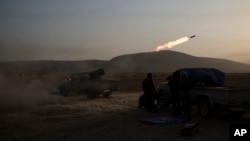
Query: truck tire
[[204, 108], [107, 93]]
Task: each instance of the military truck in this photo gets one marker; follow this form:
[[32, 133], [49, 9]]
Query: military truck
[[89, 84], [207, 91]]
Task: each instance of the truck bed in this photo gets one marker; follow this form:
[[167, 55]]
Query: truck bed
[[229, 96]]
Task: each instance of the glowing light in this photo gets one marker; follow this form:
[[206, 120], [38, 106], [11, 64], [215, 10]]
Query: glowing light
[[172, 43]]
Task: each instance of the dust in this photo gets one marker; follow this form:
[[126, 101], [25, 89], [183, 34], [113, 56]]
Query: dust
[[16, 94]]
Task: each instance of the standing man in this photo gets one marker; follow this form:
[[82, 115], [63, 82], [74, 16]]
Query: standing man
[[150, 92], [185, 86], [174, 89]]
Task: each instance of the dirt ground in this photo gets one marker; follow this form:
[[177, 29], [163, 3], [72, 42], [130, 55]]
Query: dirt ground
[[105, 119]]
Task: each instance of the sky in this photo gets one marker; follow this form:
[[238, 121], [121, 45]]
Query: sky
[[103, 29]]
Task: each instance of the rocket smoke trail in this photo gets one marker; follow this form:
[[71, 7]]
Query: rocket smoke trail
[[173, 43]]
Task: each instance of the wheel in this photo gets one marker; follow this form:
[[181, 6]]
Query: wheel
[[162, 100], [205, 108], [107, 93]]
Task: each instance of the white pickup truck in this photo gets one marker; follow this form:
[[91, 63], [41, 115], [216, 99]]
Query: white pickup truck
[[231, 99], [207, 98]]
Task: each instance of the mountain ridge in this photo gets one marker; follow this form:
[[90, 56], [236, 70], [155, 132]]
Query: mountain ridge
[[163, 61], [168, 61]]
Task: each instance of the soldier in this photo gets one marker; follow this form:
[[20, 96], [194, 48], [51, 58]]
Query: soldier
[[179, 86], [174, 89], [185, 86], [149, 92]]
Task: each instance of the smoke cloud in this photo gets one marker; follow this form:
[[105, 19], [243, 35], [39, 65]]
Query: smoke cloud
[[16, 95]]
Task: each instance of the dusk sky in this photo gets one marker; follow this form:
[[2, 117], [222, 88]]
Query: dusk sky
[[103, 29]]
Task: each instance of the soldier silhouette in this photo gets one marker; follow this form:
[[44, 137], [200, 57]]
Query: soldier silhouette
[[149, 92]]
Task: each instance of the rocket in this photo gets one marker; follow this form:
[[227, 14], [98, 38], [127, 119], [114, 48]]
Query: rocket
[[192, 36]]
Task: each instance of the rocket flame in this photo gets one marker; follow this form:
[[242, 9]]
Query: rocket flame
[[172, 43]]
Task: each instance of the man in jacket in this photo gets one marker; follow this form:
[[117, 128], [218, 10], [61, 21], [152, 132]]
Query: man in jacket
[[149, 92]]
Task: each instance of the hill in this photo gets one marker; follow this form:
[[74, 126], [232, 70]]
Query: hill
[[163, 61], [168, 61]]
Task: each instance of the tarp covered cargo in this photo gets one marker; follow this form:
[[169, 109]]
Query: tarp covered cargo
[[203, 76]]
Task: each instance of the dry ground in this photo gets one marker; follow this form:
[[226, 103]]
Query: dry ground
[[104, 119], [28, 112]]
